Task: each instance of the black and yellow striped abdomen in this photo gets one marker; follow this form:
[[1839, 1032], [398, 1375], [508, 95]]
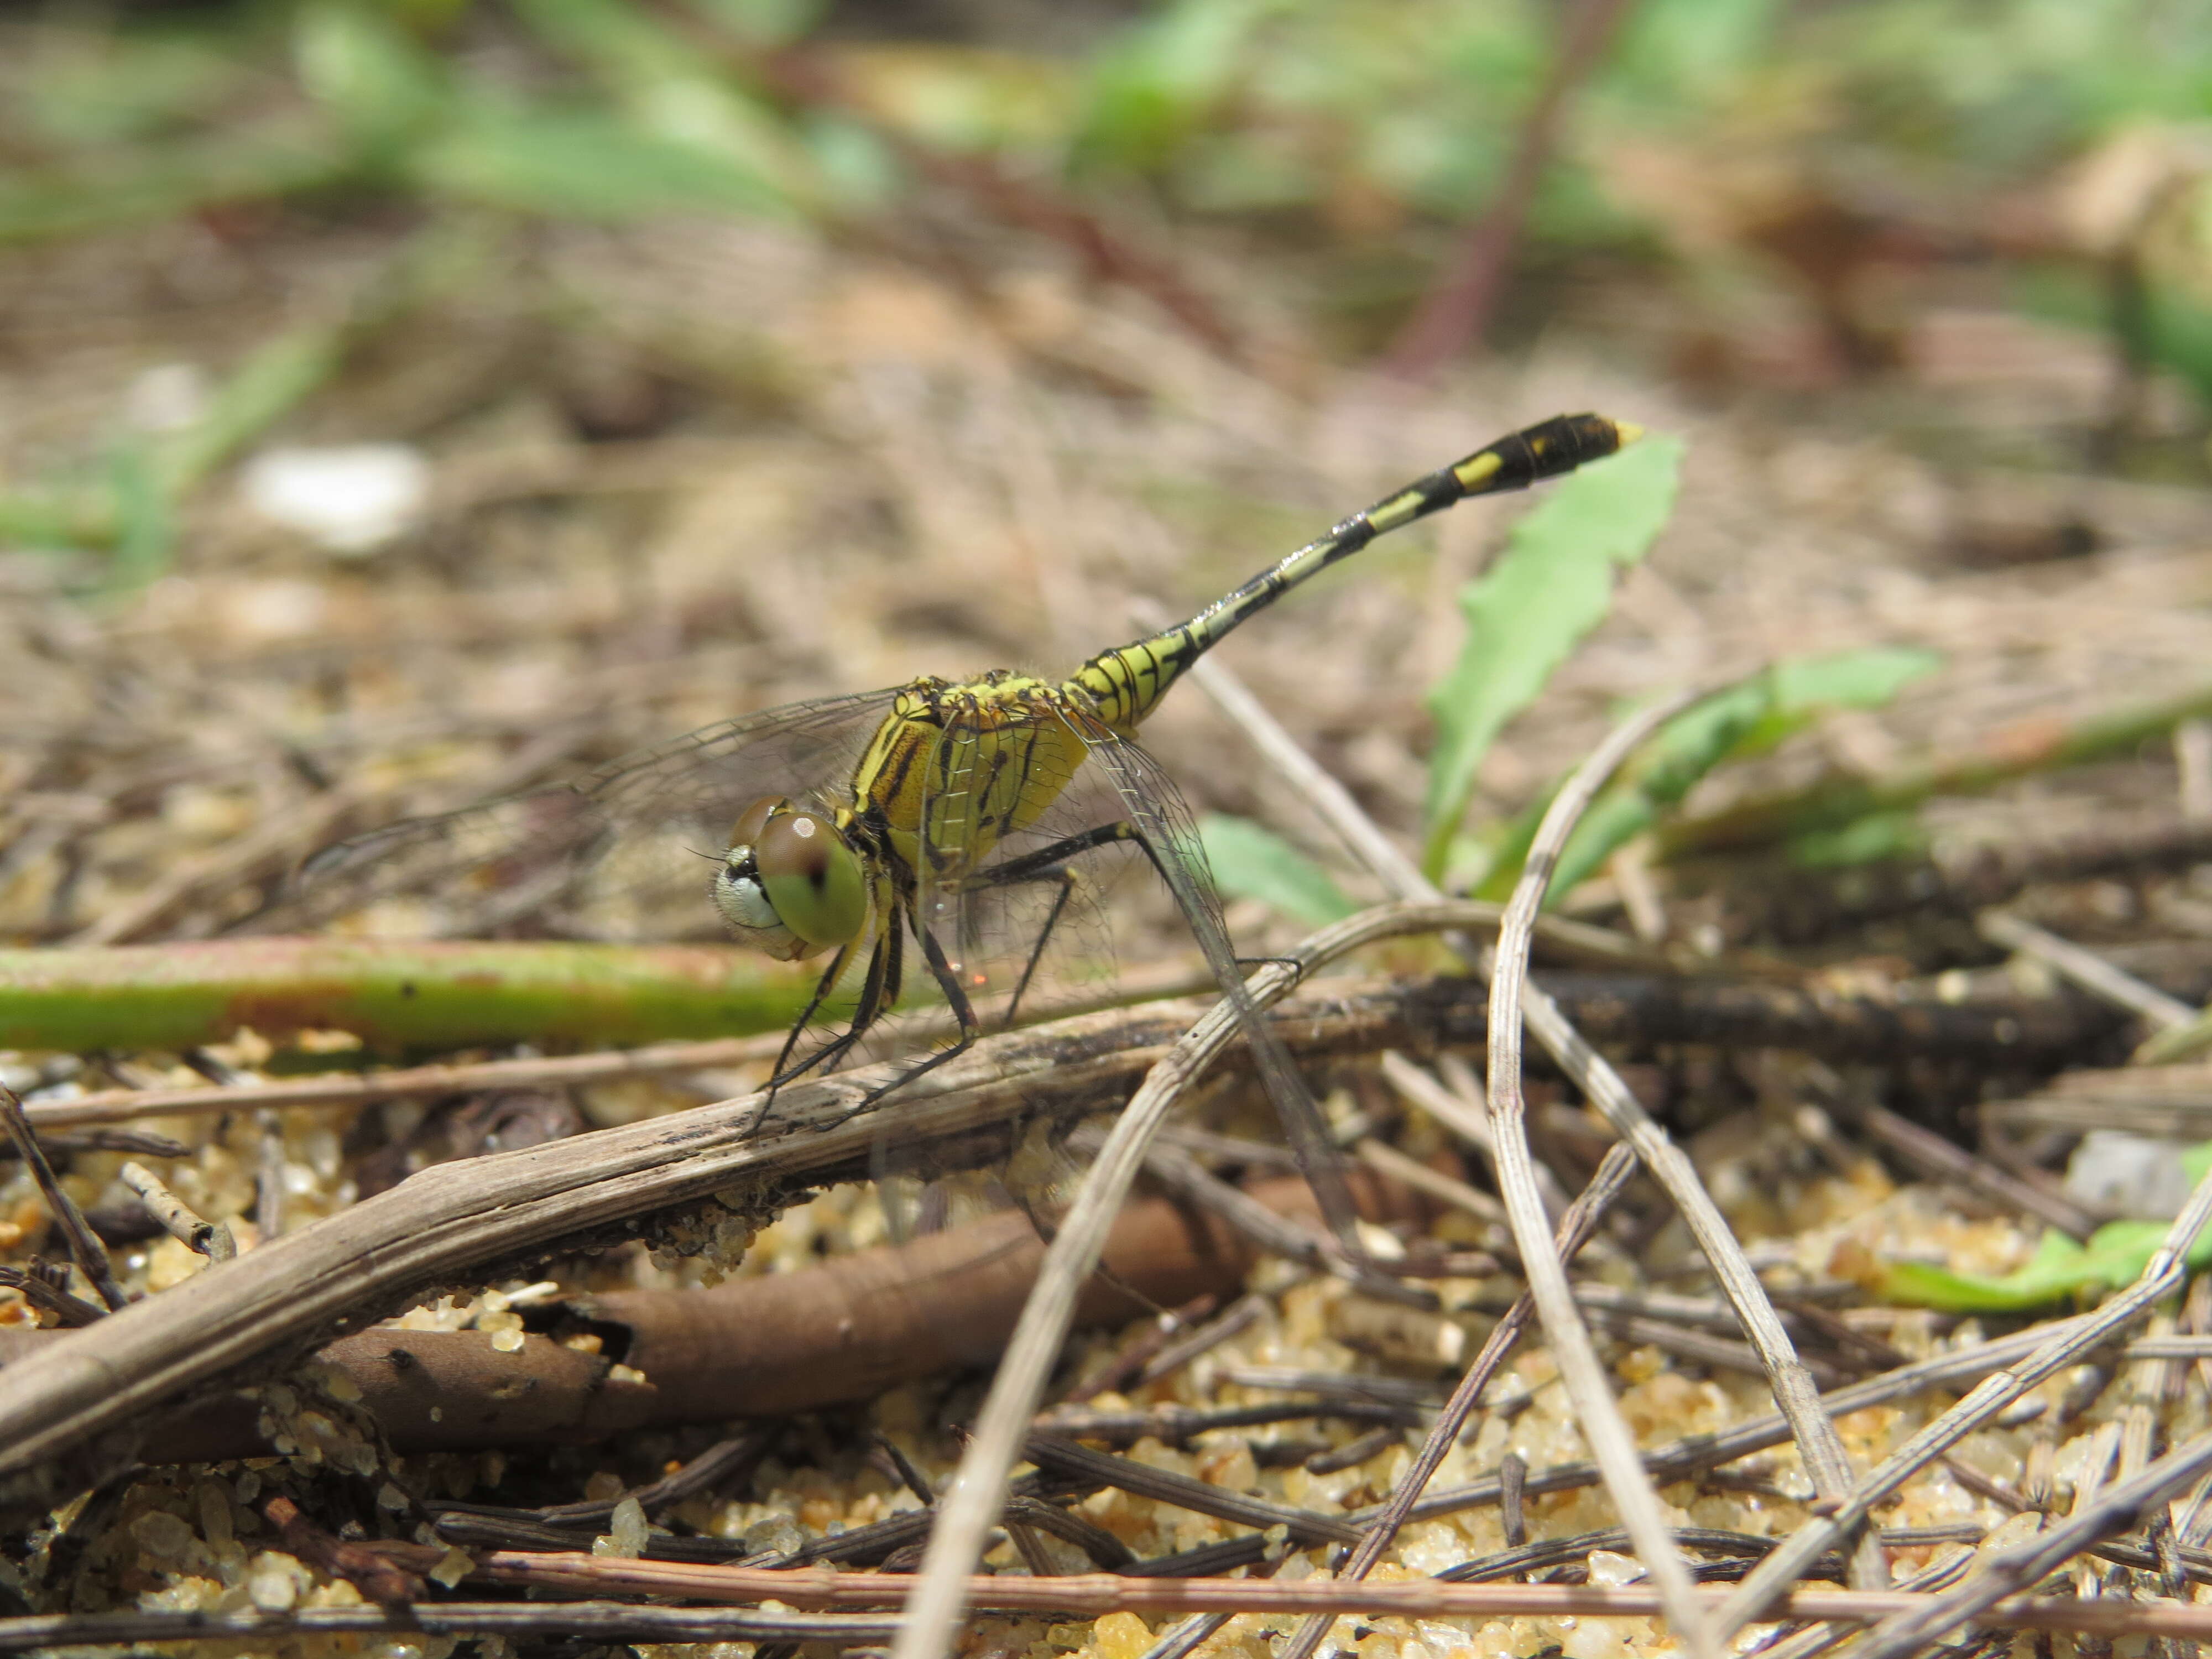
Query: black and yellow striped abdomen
[[1126, 684]]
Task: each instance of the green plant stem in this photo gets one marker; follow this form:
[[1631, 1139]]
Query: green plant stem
[[394, 994]]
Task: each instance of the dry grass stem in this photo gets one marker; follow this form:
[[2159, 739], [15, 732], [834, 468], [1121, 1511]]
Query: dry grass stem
[[1612, 1444], [2085, 968]]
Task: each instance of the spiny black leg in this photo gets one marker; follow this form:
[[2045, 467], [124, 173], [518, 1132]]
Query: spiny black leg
[[866, 1014], [878, 992], [963, 1010], [785, 1071]]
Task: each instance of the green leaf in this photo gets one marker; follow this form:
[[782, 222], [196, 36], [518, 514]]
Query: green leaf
[[1865, 678], [1554, 584], [583, 164], [1150, 90], [1741, 718], [2060, 1269], [1251, 862], [145, 518]]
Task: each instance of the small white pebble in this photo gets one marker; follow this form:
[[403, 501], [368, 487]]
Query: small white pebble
[[451, 1568], [351, 499], [626, 1532], [272, 1581], [1610, 1568]]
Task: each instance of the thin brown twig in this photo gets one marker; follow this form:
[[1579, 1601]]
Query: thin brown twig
[[1094, 1595], [85, 1250], [2085, 968], [602, 1621], [378, 1577], [2115, 1509], [1794, 1387], [1575, 1226], [74, 1311], [1124, 1368], [1931, 1154], [565, 1071], [211, 1239], [955, 1542]]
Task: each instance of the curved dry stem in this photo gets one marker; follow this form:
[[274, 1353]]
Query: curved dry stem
[[1611, 1443]]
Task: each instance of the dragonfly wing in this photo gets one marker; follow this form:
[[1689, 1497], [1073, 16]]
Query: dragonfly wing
[[1151, 801], [620, 852], [1002, 791]]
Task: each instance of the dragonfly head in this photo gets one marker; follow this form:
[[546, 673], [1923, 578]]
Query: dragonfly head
[[789, 884]]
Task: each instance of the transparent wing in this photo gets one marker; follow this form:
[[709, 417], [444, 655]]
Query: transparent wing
[[617, 853], [999, 796], [1152, 803]]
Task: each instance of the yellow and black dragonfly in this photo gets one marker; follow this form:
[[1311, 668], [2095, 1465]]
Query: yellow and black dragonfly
[[859, 828]]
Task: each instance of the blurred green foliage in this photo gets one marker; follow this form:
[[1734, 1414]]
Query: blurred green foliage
[[1222, 106]]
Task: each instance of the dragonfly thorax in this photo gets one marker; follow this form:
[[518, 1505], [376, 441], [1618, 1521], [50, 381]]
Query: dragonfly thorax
[[789, 884]]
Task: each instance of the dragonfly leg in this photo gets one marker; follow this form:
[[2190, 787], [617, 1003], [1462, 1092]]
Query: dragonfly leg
[[785, 1071], [955, 994], [1049, 863], [877, 991]]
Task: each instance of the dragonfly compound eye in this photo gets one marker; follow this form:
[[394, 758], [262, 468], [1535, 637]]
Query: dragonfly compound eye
[[811, 878], [789, 885]]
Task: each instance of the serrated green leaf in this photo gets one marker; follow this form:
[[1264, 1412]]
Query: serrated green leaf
[[1554, 584], [1252, 861]]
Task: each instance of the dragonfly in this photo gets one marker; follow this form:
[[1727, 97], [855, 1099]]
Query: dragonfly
[[867, 829]]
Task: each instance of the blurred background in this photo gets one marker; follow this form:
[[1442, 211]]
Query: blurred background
[[400, 402]]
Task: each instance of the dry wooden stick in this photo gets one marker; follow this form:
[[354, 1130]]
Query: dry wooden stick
[[211, 1239], [1931, 1154], [2162, 1276], [350, 1270], [74, 1311], [566, 1071], [1611, 1443], [2115, 1509], [598, 1621], [1575, 1226]]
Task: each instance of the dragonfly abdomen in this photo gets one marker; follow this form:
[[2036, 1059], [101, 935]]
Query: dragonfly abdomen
[[1126, 684]]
